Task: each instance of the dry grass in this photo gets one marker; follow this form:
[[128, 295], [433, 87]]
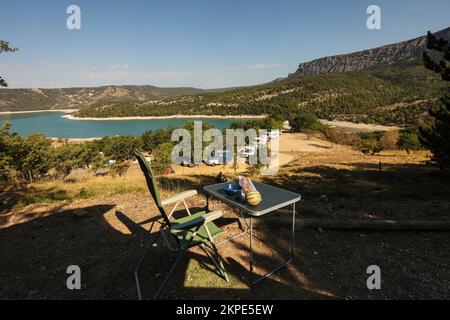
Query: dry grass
[[84, 185], [89, 185]]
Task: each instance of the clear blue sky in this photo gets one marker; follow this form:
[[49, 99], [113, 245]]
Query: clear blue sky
[[201, 43]]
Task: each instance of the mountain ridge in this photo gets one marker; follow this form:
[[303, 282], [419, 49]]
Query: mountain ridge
[[78, 97], [403, 51]]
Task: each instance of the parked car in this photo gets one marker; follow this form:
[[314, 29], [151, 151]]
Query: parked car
[[273, 134], [187, 162], [220, 157], [260, 140], [247, 151]]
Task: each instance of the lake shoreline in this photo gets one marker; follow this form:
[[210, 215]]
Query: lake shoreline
[[37, 111], [57, 125], [74, 140], [176, 116]]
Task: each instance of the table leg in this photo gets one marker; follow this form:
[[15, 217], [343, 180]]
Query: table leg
[[251, 251], [207, 202], [281, 265], [244, 231], [293, 231]]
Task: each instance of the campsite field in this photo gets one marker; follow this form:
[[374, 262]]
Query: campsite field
[[103, 224]]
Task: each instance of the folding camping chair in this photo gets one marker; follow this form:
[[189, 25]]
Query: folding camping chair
[[193, 230]]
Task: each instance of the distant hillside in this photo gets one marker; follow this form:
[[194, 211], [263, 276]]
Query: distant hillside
[[390, 54], [74, 98], [388, 94]]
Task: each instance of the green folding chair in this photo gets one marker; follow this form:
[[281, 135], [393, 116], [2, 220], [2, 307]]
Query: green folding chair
[[193, 230]]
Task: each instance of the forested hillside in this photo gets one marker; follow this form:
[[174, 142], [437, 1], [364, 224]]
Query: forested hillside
[[399, 94], [74, 98]]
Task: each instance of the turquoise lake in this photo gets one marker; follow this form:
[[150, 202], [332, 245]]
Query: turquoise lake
[[53, 124]]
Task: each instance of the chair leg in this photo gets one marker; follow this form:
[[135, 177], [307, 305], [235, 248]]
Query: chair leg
[[136, 270], [179, 256], [219, 263]]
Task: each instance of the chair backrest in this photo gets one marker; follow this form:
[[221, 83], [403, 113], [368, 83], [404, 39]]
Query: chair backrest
[[151, 183]]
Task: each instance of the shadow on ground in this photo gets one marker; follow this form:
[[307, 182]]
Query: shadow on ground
[[327, 264], [36, 254], [361, 190]]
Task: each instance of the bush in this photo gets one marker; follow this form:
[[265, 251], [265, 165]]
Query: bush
[[437, 136], [119, 148], [409, 141], [69, 156], [35, 156], [150, 139], [389, 139], [162, 156], [335, 136], [306, 122]]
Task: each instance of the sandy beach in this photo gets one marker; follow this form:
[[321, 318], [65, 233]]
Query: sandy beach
[[176, 116], [73, 140]]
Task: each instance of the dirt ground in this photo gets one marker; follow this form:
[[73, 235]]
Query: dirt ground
[[357, 127], [106, 235]]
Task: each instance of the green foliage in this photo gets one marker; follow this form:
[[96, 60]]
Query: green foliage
[[151, 139], [369, 143], [409, 140], [162, 156], [304, 121], [69, 156], [82, 194], [4, 47], [440, 46], [362, 96], [119, 148], [74, 98], [7, 141], [35, 154], [437, 135], [268, 123]]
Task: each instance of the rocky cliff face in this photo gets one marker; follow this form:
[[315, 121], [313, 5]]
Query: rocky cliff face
[[389, 54]]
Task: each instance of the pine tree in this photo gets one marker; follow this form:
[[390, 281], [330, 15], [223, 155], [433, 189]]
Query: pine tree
[[4, 47], [437, 136]]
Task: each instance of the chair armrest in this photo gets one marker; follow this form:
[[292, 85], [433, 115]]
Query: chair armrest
[[211, 216], [178, 197]]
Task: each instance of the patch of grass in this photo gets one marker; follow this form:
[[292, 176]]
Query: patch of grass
[[84, 187], [46, 196], [82, 194]]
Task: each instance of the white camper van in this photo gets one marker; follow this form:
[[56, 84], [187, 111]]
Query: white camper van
[[273, 134]]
